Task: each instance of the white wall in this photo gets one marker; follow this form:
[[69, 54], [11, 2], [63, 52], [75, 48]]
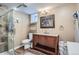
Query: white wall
[[63, 16], [21, 28]]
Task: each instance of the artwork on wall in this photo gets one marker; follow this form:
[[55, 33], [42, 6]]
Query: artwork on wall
[[47, 21]]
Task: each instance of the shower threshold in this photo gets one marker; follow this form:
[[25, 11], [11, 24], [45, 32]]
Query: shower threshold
[[8, 53]]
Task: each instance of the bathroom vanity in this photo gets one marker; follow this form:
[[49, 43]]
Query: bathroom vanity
[[46, 43]]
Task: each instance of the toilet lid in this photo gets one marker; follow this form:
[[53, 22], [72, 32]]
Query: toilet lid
[[26, 41]]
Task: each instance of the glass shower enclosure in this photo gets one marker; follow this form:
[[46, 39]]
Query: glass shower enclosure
[[7, 33]]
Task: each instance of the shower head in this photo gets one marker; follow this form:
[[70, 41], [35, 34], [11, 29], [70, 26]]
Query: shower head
[[22, 5]]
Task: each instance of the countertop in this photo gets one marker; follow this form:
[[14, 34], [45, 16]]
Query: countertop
[[46, 34]]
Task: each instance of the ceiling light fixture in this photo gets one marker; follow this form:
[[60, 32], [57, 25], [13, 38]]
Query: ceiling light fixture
[[44, 11]]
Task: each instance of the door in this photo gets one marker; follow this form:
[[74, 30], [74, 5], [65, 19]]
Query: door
[[11, 33]]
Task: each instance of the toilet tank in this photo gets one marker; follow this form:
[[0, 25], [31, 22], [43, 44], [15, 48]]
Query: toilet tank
[[30, 35]]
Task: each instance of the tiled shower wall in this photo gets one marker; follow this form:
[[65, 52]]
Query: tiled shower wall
[[3, 29], [3, 33]]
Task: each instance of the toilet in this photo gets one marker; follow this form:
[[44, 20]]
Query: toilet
[[27, 42]]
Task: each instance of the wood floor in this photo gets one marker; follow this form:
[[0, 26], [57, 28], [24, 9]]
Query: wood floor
[[20, 50]]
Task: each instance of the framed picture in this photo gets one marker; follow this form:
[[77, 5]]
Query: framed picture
[[47, 21]]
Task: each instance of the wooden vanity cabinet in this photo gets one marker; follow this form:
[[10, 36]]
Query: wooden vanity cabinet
[[46, 44]]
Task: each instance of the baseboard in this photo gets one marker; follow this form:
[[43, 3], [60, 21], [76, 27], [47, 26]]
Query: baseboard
[[15, 48]]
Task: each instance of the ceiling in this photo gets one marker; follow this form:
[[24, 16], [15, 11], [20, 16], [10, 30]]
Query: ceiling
[[31, 7]]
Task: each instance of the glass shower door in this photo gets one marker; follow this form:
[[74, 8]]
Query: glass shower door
[[11, 32]]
